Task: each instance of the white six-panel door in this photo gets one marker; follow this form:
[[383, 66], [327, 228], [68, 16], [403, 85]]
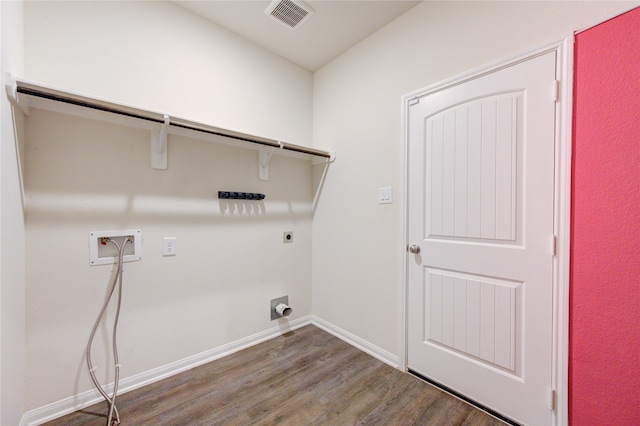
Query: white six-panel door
[[480, 212]]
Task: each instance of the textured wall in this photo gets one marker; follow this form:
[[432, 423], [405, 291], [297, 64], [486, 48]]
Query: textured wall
[[605, 284]]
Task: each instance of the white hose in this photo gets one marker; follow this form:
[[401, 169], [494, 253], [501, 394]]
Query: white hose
[[117, 281]]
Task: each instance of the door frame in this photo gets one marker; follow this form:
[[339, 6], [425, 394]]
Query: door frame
[[562, 207]]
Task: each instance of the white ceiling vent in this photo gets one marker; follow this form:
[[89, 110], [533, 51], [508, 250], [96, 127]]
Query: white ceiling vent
[[291, 13]]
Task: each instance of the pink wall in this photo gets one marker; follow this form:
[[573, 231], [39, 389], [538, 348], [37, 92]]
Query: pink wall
[[605, 266]]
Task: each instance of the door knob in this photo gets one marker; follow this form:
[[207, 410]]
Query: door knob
[[415, 249]]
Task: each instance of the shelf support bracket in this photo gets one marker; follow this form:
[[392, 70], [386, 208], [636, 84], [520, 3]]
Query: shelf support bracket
[[159, 145], [11, 87], [264, 157], [317, 161]]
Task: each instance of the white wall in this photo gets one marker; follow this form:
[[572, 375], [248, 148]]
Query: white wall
[[83, 175], [12, 261], [358, 245], [157, 55]]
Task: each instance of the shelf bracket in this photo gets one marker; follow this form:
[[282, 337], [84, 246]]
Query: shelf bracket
[[317, 161], [264, 157], [11, 87], [159, 145]]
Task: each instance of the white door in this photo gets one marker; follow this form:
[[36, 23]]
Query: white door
[[480, 212]]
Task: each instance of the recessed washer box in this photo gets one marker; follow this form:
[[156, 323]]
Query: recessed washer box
[[103, 254]]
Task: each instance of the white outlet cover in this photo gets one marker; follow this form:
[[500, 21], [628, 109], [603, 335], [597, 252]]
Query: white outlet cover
[[169, 247]]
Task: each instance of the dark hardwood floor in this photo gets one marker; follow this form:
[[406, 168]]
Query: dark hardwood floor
[[306, 377]]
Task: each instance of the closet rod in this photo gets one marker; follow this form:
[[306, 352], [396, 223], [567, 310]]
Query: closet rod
[[85, 104], [183, 124]]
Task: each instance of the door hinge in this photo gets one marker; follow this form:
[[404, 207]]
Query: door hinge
[[556, 90], [554, 245], [414, 101], [553, 398]]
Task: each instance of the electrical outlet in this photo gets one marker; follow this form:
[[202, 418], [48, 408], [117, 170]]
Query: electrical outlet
[[288, 237], [169, 246]]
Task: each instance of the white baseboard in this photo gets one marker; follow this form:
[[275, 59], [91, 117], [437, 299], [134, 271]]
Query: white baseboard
[[85, 399], [353, 340]]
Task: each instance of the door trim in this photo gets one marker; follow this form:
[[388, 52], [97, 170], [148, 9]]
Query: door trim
[[562, 206]]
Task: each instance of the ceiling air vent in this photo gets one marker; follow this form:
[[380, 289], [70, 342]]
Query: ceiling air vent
[[291, 13]]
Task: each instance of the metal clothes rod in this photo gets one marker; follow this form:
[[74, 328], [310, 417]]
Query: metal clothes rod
[[58, 96], [84, 104]]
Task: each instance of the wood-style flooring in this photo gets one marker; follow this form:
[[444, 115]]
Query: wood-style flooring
[[306, 377]]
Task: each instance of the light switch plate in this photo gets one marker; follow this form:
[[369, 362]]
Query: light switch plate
[[385, 195]]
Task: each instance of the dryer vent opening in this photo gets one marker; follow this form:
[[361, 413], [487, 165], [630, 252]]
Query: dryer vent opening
[[291, 13]]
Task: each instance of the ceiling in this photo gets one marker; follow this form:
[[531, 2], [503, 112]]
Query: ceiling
[[333, 28]]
